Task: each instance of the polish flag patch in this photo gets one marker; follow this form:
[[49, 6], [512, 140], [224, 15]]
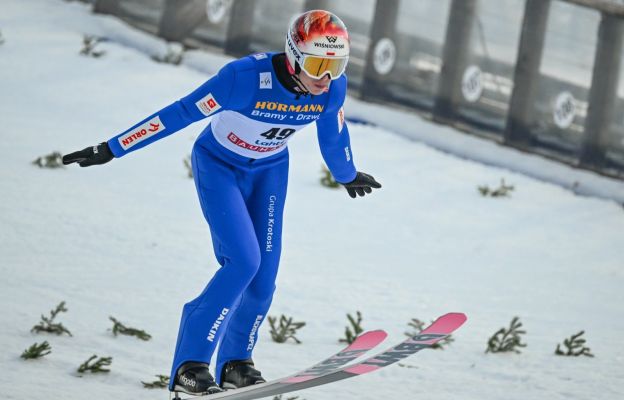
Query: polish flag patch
[[341, 119], [208, 105]]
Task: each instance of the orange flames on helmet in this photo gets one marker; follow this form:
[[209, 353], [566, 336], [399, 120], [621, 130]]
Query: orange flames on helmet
[[316, 23]]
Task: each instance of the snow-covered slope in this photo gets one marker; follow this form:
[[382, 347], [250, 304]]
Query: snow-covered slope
[[128, 239]]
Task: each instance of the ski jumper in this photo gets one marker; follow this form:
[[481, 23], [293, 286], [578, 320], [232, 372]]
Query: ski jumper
[[240, 168]]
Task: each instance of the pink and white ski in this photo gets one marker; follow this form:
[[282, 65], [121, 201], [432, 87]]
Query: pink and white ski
[[362, 344], [333, 369]]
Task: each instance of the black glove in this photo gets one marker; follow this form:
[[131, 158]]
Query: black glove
[[363, 183], [93, 155]]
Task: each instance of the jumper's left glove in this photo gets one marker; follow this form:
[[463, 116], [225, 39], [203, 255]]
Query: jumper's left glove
[[94, 155], [363, 183]]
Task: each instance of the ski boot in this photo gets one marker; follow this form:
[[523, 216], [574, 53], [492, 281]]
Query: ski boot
[[240, 373], [194, 378]]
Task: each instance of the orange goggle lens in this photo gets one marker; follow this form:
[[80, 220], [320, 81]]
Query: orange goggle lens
[[317, 67]]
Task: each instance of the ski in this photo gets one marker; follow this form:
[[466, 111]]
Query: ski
[[360, 345], [438, 330]]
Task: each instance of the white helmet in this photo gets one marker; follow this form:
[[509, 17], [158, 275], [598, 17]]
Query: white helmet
[[317, 42]]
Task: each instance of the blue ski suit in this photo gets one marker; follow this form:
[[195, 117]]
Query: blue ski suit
[[240, 168]]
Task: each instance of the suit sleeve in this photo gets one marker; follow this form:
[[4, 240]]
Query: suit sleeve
[[211, 97], [333, 137]]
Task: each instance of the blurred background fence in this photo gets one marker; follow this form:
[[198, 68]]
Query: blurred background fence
[[539, 75]]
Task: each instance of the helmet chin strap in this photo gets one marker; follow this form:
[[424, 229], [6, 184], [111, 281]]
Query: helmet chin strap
[[294, 73], [303, 88]]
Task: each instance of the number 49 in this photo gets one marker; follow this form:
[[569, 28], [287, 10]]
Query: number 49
[[277, 133]]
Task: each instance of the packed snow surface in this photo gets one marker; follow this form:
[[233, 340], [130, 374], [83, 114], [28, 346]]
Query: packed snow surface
[[128, 239]]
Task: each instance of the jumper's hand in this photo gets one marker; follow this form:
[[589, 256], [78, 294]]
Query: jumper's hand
[[93, 155], [363, 183]]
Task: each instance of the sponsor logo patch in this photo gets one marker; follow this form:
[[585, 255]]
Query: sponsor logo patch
[[270, 223], [259, 56], [140, 133], [340, 119], [217, 324], [208, 105], [252, 334], [293, 48], [281, 107], [265, 80], [243, 144], [329, 45]]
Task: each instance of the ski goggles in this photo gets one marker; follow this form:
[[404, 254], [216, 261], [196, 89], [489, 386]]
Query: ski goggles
[[317, 67]]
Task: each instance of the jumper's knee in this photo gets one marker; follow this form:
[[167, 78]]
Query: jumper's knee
[[245, 262], [262, 293]]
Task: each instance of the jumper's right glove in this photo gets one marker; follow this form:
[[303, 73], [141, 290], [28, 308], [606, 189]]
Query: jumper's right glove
[[93, 155], [363, 183]]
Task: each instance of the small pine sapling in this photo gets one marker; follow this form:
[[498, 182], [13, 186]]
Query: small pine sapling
[[47, 324], [418, 326], [502, 191], [575, 346], [174, 55], [286, 329], [88, 46], [121, 329], [37, 351], [506, 340], [52, 160], [161, 383], [327, 179], [280, 397], [97, 366], [356, 325]]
